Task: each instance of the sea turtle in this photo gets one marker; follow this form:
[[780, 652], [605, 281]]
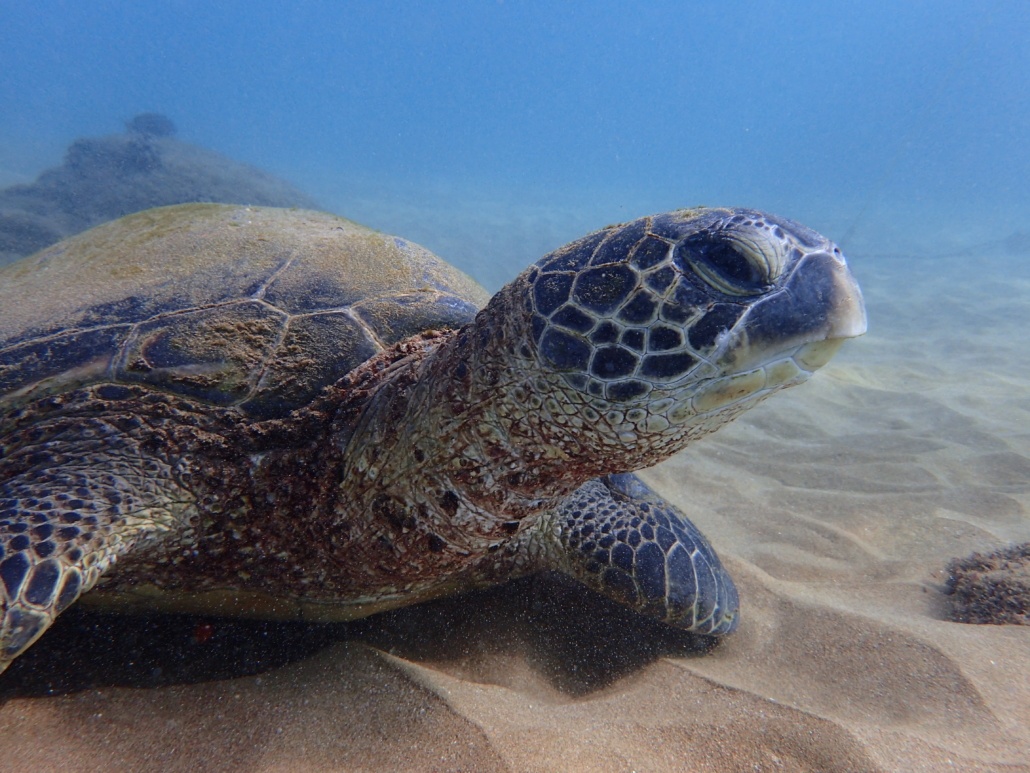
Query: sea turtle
[[282, 414]]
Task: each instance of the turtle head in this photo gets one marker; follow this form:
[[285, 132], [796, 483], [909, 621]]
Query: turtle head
[[665, 328]]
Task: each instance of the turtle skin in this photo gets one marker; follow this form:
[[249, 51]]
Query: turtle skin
[[280, 413]]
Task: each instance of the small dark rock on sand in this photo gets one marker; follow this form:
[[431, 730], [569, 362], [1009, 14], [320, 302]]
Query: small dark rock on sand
[[991, 588]]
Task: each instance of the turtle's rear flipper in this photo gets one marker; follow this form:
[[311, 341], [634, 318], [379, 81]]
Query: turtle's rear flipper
[[623, 540], [67, 512]]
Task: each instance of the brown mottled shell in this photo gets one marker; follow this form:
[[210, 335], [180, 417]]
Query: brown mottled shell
[[253, 307]]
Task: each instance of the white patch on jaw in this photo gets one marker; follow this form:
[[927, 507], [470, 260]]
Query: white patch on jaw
[[728, 390], [782, 372], [814, 355]]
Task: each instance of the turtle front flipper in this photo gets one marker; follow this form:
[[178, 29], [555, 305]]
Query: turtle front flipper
[[68, 511], [622, 539]]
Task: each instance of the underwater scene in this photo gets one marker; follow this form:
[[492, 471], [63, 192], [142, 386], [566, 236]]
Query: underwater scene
[[283, 492]]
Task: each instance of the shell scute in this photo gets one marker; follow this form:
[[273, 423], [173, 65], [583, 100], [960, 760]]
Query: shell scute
[[316, 350], [227, 304], [78, 356], [397, 317], [212, 354]]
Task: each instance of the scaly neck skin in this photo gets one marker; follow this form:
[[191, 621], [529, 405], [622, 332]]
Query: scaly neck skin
[[468, 438], [441, 431]]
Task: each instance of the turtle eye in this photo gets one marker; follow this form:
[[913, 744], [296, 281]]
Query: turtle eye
[[732, 261]]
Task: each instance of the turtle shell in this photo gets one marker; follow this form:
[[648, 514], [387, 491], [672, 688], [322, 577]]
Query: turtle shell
[[252, 307]]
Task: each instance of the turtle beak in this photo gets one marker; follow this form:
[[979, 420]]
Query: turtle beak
[[848, 319], [818, 308]]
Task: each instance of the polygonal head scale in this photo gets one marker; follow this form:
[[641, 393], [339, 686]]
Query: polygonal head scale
[[663, 308]]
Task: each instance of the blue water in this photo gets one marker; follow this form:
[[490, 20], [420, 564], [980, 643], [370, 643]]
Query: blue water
[[886, 124], [494, 131]]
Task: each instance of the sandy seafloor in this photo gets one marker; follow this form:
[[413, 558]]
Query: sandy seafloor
[[836, 506]]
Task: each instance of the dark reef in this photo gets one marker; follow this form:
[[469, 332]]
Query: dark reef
[[991, 588], [103, 178], [151, 125]]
